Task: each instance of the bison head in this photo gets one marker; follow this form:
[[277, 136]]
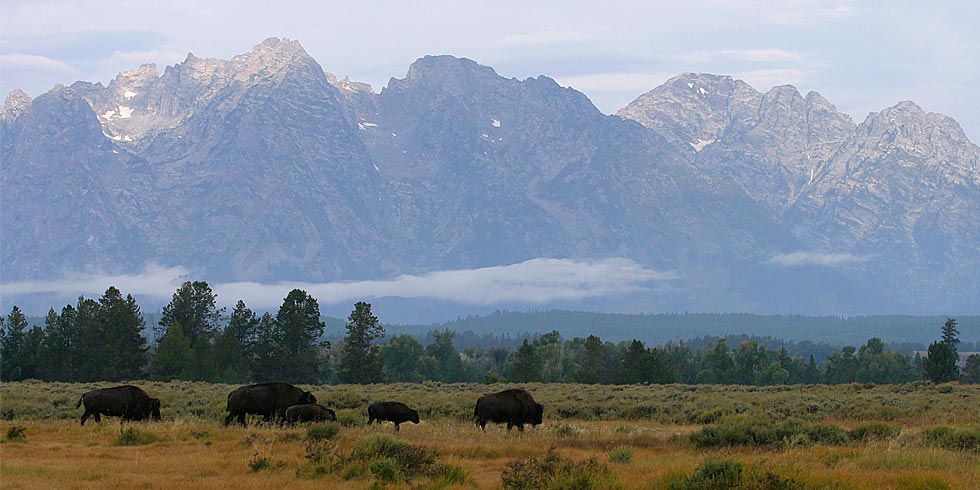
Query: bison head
[[413, 416], [308, 397], [536, 414], [155, 408]]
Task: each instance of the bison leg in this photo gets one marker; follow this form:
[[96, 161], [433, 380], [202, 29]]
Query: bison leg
[[85, 416], [370, 420], [241, 419], [230, 416], [510, 425], [482, 423], [98, 417], [520, 427], [397, 428]]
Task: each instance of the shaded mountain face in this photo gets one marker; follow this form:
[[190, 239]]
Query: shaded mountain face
[[900, 191], [266, 168]]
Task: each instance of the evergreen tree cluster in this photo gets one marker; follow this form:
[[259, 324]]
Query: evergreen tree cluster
[[100, 340]]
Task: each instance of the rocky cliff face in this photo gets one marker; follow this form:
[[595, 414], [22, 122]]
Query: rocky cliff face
[[265, 167]]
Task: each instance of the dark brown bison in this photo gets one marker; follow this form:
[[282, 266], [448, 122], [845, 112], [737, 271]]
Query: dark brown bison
[[516, 407], [128, 402], [270, 400], [309, 412], [396, 412]]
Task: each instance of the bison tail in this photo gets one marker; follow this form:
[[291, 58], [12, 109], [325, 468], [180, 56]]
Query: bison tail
[[79, 401]]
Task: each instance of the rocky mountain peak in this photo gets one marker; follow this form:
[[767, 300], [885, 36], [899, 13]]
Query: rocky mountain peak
[[16, 103], [444, 69]]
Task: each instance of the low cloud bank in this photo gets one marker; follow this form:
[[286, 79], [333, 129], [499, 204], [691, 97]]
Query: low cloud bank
[[535, 281], [816, 258]]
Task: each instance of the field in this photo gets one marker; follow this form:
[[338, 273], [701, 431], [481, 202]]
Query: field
[[913, 436]]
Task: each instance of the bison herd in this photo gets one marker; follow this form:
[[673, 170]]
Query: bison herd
[[283, 402]]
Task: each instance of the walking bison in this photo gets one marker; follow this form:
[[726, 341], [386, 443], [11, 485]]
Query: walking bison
[[396, 412], [127, 402], [309, 412], [516, 407], [270, 400]]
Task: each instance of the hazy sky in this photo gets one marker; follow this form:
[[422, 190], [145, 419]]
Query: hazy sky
[[862, 56]]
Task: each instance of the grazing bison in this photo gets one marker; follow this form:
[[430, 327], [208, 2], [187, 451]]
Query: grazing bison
[[396, 412], [269, 400], [515, 407], [309, 412], [128, 402]]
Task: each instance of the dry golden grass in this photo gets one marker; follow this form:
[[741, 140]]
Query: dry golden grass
[[193, 450]]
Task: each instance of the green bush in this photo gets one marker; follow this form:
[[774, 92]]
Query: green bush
[[621, 454], [726, 474], [131, 436], [386, 470], [873, 430], [322, 432], [555, 473], [15, 433], [258, 462], [950, 438], [764, 433]]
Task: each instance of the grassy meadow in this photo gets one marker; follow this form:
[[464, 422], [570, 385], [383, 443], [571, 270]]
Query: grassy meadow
[[911, 436]]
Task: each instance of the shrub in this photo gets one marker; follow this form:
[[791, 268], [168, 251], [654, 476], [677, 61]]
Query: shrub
[[131, 436], [621, 454], [565, 430], [725, 474], [15, 433], [257, 462], [950, 438], [873, 430], [386, 470], [765, 433], [322, 432], [555, 473], [712, 474]]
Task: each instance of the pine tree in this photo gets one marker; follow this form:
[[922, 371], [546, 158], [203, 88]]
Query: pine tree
[[12, 351], [940, 364], [91, 332], [59, 344], [123, 346], [590, 365], [173, 355], [266, 364], [524, 365], [300, 328], [194, 306], [360, 360], [444, 362], [635, 363], [234, 348]]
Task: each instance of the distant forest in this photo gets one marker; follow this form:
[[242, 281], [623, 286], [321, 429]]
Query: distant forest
[[108, 339], [916, 332]]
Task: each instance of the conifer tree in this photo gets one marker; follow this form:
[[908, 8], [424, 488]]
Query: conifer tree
[[12, 351], [360, 360], [590, 365], [443, 359], [266, 363], [123, 351], [173, 355], [525, 364], [298, 321], [233, 349]]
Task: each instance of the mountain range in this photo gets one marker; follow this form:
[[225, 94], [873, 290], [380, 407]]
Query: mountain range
[[265, 168]]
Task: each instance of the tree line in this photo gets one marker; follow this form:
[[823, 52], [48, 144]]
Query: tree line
[[101, 340]]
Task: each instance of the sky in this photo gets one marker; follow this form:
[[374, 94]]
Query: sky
[[863, 56]]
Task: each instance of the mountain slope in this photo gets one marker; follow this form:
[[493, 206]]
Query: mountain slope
[[267, 168]]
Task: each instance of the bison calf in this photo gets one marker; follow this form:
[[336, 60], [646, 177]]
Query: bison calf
[[309, 412], [128, 402], [396, 412]]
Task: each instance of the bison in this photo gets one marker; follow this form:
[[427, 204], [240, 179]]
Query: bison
[[516, 407], [269, 400], [128, 402], [396, 412], [309, 412]]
